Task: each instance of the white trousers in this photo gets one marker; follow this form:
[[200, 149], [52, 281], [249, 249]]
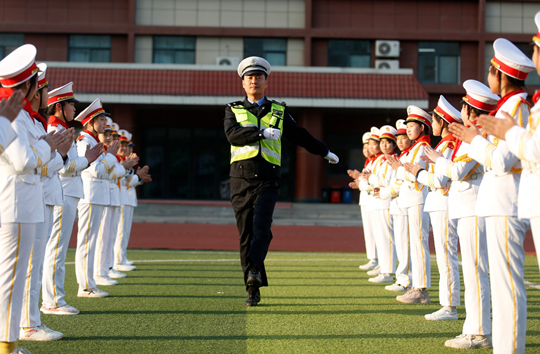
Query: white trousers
[[105, 242], [30, 316], [369, 236], [474, 260], [535, 228], [446, 245], [54, 266], [90, 216], [506, 256], [419, 236], [16, 241], [384, 239], [401, 239], [122, 237]]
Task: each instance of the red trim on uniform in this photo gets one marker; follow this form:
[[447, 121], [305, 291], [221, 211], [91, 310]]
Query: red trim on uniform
[[401, 131], [17, 79], [388, 136], [93, 136], [449, 137], [54, 121], [479, 104], [508, 69], [445, 115], [42, 83], [419, 118], [60, 98], [536, 96]]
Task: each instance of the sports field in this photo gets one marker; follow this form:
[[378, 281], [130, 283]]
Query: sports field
[[192, 302]]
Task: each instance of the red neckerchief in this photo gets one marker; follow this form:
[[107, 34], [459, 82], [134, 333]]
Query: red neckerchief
[[7, 92], [55, 121], [93, 136], [448, 137], [422, 139], [536, 96], [503, 101], [119, 158], [368, 160]]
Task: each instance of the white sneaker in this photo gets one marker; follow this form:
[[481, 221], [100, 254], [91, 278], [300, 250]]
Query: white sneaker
[[64, 310], [375, 271], [95, 292], [469, 341], [444, 314], [39, 334], [369, 265], [124, 267], [414, 296], [113, 273], [105, 280], [395, 287], [20, 350], [128, 262], [382, 278]]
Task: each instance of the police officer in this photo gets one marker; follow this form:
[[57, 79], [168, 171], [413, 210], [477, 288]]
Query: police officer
[[254, 128]]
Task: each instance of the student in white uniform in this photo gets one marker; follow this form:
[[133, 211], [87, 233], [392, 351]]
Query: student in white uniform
[[399, 216], [20, 172], [369, 239], [498, 196], [381, 176], [466, 175], [61, 112], [412, 196], [32, 328], [96, 196], [444, 228], [525, 144]]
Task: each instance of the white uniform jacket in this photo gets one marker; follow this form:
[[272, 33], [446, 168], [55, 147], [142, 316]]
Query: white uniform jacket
[[525, 144], [466, 175], [128, 194], [411, 192], [437, 183], [70, 174], [21, 192], [365, 196], [115, 175], [7, 134], [96, 177], [381, 177], [498, 194]]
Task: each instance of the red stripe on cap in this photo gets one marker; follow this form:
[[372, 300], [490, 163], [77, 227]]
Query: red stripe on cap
[[401, 131], [17, 79], [374, 137], [123, 138], [388, 136], [444, 115], [55, 99], [92, 115], [508, 70], [420, 118], [479, 104], [42, 83]]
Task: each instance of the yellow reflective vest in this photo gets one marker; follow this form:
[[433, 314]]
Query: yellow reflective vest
[[270, 149]]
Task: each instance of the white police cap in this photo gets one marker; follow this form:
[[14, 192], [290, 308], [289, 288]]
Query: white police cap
[[254, 65]]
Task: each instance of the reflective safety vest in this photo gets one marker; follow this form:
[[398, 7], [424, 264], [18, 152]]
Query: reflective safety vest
[[270, 149]]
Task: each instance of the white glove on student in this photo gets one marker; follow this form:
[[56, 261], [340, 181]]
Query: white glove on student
[[271, 134], [332, 158]]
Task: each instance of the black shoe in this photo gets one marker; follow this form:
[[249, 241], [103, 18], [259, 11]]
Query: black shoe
[[253, 297], [254, 278]]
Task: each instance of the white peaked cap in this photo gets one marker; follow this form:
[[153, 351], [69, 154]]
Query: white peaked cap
[[18, 66], [401, 126], [388, 132], [254, 65], [447, 112], [536, 39], [365, 137], [510, 60], [374, 134], [417, 114], [480, 96]]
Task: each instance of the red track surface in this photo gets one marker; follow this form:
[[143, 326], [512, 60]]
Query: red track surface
[[225, 237]]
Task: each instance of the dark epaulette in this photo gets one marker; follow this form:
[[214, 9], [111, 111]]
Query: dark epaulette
[[236, 103]]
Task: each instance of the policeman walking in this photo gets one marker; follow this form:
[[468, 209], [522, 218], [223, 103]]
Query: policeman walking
[[254, 128]]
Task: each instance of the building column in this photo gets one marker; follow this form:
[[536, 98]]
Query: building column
[[309, 168]]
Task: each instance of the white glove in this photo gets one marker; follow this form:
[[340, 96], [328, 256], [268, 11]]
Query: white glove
[[272, 134], [332, 158]]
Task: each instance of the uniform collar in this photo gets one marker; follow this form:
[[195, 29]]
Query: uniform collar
[[259, 103]]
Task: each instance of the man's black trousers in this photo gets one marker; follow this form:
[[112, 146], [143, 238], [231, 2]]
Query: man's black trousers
[[253, 201]]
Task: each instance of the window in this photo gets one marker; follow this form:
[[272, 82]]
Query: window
[[9, 42], [90, 48], [349, 53], [438, 62], [272, 49], [174, 50]]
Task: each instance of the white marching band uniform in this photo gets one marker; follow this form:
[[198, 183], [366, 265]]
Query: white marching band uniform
[[365, 203], [444, 228], [505, 232]]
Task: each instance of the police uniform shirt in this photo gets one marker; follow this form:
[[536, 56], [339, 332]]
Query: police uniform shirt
[[237, 135]]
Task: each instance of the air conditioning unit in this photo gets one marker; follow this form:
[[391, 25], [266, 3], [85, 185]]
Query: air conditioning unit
[[387, 49], [387, 64], [228, 61]]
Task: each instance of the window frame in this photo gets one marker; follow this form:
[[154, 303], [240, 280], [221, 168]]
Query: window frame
[[92, 49], [174, 51], [437, 65], [249, 51], [349, 52]]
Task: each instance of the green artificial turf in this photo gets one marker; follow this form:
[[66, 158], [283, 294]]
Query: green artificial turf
[[192, 302]]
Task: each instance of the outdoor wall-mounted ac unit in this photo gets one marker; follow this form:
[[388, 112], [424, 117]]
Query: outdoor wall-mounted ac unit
[[387, 49], [228, 61], [387, 64]]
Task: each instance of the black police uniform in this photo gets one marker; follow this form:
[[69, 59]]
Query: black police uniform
[[255, 182]]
